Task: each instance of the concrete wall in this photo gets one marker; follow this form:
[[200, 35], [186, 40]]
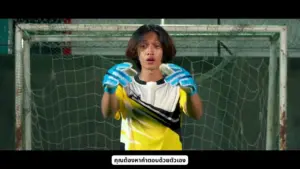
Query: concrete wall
[[5, 36]]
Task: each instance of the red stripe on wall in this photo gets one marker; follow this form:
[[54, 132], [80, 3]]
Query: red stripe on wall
[[68, 49]]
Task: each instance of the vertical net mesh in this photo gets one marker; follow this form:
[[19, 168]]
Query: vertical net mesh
[[66, 91]]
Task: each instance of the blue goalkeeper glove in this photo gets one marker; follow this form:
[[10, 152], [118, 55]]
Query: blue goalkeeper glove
[[119, 74], [177, 75]]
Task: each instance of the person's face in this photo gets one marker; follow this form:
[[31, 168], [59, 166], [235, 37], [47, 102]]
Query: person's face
[[150, 52]]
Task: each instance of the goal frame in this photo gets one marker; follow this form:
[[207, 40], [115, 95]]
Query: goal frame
[[22, 64]]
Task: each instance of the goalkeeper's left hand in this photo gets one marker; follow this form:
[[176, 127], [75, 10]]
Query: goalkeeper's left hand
[[177, 75]]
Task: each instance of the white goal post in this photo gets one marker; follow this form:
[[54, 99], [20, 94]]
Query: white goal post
[[22, 64]]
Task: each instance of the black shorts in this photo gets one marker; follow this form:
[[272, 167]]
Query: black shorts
[[122, 146]]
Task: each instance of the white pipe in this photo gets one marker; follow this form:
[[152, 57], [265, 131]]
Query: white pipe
[[133, 27], [162, 22]]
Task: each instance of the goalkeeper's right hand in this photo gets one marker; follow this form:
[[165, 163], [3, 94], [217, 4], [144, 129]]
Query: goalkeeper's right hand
[[118, 74]]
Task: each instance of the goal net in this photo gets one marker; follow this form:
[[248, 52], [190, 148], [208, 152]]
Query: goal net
[[59, 69]]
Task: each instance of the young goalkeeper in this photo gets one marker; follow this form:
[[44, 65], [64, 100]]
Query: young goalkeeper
[[150, 102]]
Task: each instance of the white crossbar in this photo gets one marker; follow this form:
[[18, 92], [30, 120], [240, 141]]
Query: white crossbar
[[133, 27], [87, 38]]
